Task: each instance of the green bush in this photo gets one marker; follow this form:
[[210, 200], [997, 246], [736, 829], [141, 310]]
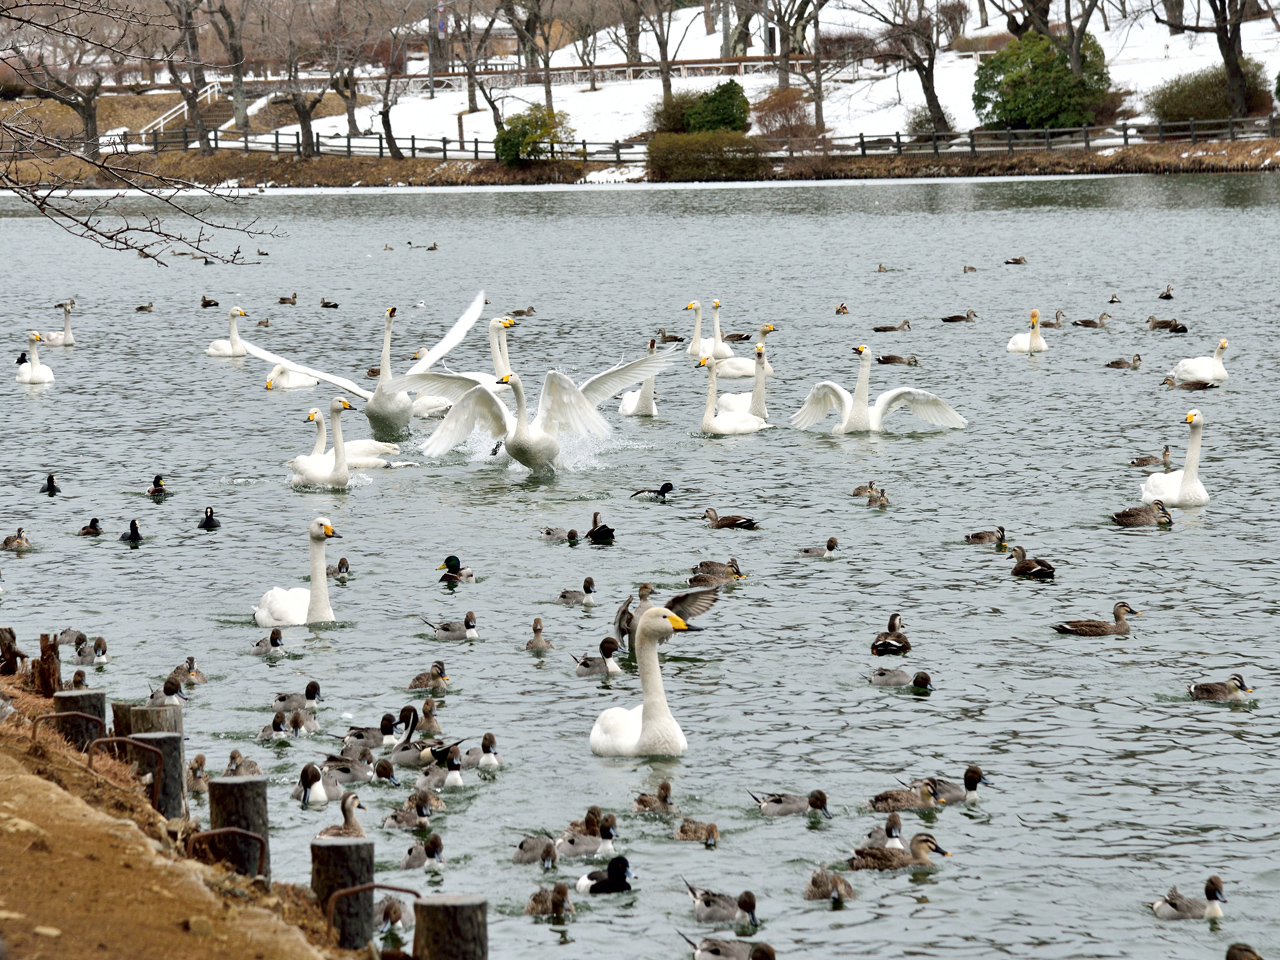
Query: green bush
[[1029, 84], [1203, 95], [668, 116], [531, 135], [712, 155], [724, 108]]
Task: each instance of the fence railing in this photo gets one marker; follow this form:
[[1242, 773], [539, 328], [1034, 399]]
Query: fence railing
[[207, 94]]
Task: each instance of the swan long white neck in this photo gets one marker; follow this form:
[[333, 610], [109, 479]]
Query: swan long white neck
[[1037, 341], [522, 412], [695, 346], [500, 366], [318, 609], [33, 353], [758, 408], [506, 358], [322, 436], [715, 322], [764, 332], [235, 333], [859, 418], [340, 474], [709, 412], [384, 372], [655, 697], [67, 339], [1191, 466]]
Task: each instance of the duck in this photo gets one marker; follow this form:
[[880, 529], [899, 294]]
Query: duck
[[100, 655], [890, 359], [147, 308], [455, 631], [78, 681], [17, 543], [789, 804], [1170, 384], [726, 422], [306, 700], [753, 402], [886, 858], [84, 652], [828, 885], [967, 317], [553, 534], [354, 765], [238, 766], [233, 346], [292, 299], [1173, 325], [1242, 951], [316, 787], [664, 337], [328, 304], [659, 494], [1174, 906], [640, 403], [709, 907], [648, 730], [966, 792], [883, 677], [30, 369], [655, 803], [1034, 568], [695, 831], [741, 367], [304, 723], [889, 835], [1233, 690], [1094, 324], [445, 774], [1029, 342], [485, 756], [600, 533], [538, 641], [923, 797], [433, 679], [428, 853], [1167, 294], [264, 322], [537, 848], [714, 566], [341, 571], [1149, 461], [708, 949], [892, 641], [1100, 628], [526, 312], [350, 826], [713, 579], [188, 672], [268, 644], [904, 325], [613, 879], [1016, 261], [197, 776], [375, 738], [275, 729], [549, 902], [855, 416], [601, 666], [866, 490], [407, 752], [1181, 488], [1209, 369], [1055, 323], [879, 499], [730, 522], [90, 529], [842, 310], [589, 824], [1151, 515], [986, 536], [168, 695], [571, 846], [50, 486], [1125, 364], [205, 302], [626, 622], [455, 572], [428, 724]]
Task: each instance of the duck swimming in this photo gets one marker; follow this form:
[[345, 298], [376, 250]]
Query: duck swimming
[[886, 858], [455, 630], [883, 677], [695, 831], [1035, 568], [350, 826], [91, 529], [434, 679], [827, 885], [655, 803], [1174, 906], [923, 798], [455, 572], [1234, 689], [828, 551], [549, 902], [132, 535], [709, 907], [891, 642], [1100, 628], [209, 522], [889, 835], [613, 879], [601, 666], [788, 804]]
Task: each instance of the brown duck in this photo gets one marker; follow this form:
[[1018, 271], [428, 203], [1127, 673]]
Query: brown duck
[[893, 358], [887, 858], [904, 325], [1150, 515], [1034, 568], [924, 798], [1100, 628], [1125, 364], [731, 522]]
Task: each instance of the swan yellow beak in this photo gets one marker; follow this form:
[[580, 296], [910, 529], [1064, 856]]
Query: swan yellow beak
[[677, 623], [1223, 344], [328, 531], [1190, 417], [311, 417], [38, 337], [269, 382], [702, 362], [771, 327], [415, 354], [862, 349], [346, 405], [715, 303], [759, 351], [505, 379], [508, 322], [689, 306], [242, 313], [391, 311]]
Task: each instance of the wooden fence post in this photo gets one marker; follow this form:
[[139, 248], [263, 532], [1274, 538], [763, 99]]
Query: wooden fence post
[[348, 145], [413, 146], [476, 146], [1048, 144], [935, 143], [240, 802], [1160, 123], [77, 730], [897, 138], [173, 775], [1231, 128], [444, 148], [862, 144], [451, 927], [338, 863], [277, 143], [1085, 128], [973, 145], [1008, 132], [1193, 131], [1124, 128]]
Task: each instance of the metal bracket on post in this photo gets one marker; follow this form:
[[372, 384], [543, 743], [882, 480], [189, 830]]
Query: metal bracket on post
[[155, 779], [223, 831]]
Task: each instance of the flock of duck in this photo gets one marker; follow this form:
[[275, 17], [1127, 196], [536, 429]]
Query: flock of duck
[[479, 400]]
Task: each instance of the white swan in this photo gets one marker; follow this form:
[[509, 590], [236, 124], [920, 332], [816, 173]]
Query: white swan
[[727, 422], [720, 350], [1031, 341], [362, 454], [498, 353], [562, 407], [326, 469], [64, 337], [1182, 488], [857, 417], [648, 730], [639, 403], [699, 346], [1209, 369], [739, 367], [283, 608], [232, 347], [281, 378], [33, 371], [753, 402]]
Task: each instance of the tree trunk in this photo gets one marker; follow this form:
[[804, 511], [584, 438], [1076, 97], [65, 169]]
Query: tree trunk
[[631, 28], [1173, 14], [472, 105], [344, 85], [742, 32], [664, 67], [982, 14], [546, 79], [299, 103], [818, 122], [924, 70], [1236, 87], [237, 89], [498, 125], [87, 108], [392, 147]]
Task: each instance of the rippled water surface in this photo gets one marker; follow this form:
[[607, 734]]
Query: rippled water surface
[[1110, 784]]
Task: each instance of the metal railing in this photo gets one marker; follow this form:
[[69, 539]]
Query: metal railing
[[207, 94]]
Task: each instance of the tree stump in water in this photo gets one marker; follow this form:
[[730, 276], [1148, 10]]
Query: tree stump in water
[[239, 802], [338, 863], [173, 777], [10, 656], [77, 730], [155, 720], [47, 671], [451, 927]]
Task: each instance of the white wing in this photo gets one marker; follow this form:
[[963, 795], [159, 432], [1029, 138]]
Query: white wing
[[927, 406], [823, 398], [454, 337], [563, 407], [479, 407], [605, 385], [342, 382], [452, 386]]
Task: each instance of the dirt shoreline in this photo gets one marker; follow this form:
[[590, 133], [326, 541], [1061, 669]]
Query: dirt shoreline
[[230, 167]]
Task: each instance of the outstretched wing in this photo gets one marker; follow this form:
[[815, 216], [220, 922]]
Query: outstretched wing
[[605, 385], [451, 339], [342, 382], [562, 407], [452, 386], [695, 603], [477, 408], [927, 406], [823, 398]]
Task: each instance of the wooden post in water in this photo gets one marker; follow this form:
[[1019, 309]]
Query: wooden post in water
[[173, 777], [46, 672], [155, 720], [239, 802], [77, 730], [451, 927], [338, 863]]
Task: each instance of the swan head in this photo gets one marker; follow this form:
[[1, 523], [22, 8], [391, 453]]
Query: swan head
[[337, 405], [693, 305], [1035, 318], [659, 623], [760, 354], [391, 315], [1194, 417], [508, 322], [1222, 344], [862, 351], [770, 328], [322, 529], [276, 371], [312, 415], [235, 312], [716, 304], [33, 337], [704, 361]]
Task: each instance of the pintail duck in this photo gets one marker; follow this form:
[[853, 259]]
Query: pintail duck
[[883, 677], [1126, 364], [157, 488], [275, 729], [1149, 461], [600, 533], [1035, 568], [1115, 298], [787, 804], [827, 885], [651, 803], [709, 949], [1168, 293], [428, 853], [537, 848], [455, 631], [886, 858], [1174, 906], [1170, 384], [549, 902], [925, 797], [484, 756], [91, 529], [1094, 324], [891, 642], [18, 542], [197, 776], [133, 534], [709, 907], [583, 597], [828, 551], [731, 522], [295, 701], [169, 695], [659, 494], [443, 775], [375, 738], [613, 879], [389, 913], [986, 536], [355, 765], [100, 654], [209, 521], [695, 831], [1100, 628], [1016, 261], [904, 325], [1234, 689], [316, 787], [84, 652], [1148, 515], [408, 752], [50, 486], [350, 826], [601, 666], [538, 641], [893, 358], [866, 490], [889, 835], [434, 679], [455, 572], [339, 571], [574, 845], [967, 317], [949, 792], [269, 643], [413, 816], [238, 766]]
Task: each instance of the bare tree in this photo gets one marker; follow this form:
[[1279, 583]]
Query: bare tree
[[537, 27], [792, 18], [659, 17], [399, 27], [1067, 36], [186, 68], [474, 39], [586, 18], [344, 28], [228, 24], [1228, 18], [71, 79], [292, 41], [832, 54]]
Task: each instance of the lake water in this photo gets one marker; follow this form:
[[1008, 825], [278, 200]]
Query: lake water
[[1110, 785]]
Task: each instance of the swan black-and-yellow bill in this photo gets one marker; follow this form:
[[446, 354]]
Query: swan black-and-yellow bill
[[727, 422], [33, 371], [281, 607], [855, 416], [1030, 342], [281, 378], [233, 346], [1182, 488], [699, 346]]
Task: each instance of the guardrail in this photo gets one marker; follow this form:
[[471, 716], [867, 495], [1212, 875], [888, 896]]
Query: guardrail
[[207, 94]]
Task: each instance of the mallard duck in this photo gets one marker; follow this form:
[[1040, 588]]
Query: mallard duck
[[731, 522], [1234, 689], [886, 858], [1100, 628], [892, 641], [549, 902], [655, 803], [1170, 384], [893, 358], [1174, 906], [904, 325], [713, 566], [924, 797], [1094, 324], [827, 885], [455, 572], [1034, 568], [967, 317], [1149, 461], [986, 536], [695, 831], [1152, 514], [1125, 364]]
